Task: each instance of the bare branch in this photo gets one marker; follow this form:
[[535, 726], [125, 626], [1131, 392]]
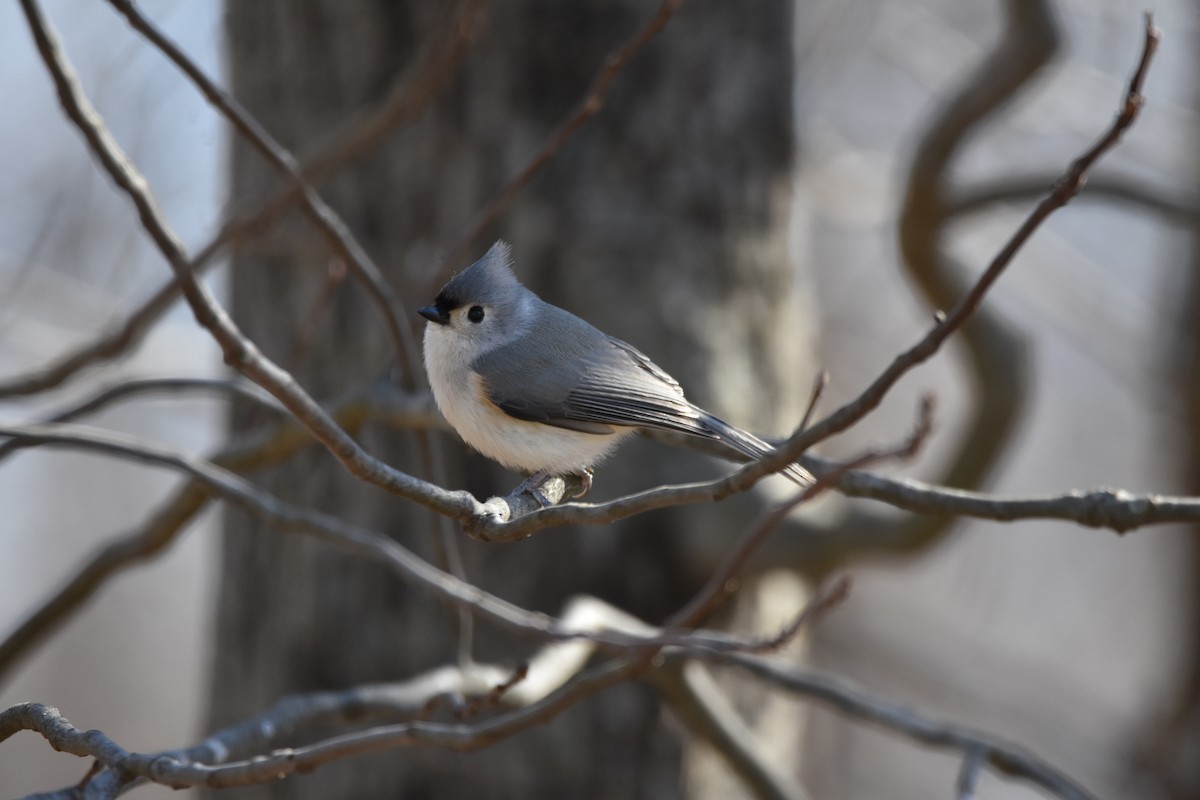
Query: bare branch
[[1068, 186], [717, 588], [356, 539], [492, 522], [591, 104], [1001, 756], [203, 764], [101, 348], [239, 351], [129, 389], [968, 774], [1129, 191], [406, 99], [702, 707], [1114, 509], [170, 769], [324, 218]]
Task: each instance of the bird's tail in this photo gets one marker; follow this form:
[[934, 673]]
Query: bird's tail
[[753, 447]]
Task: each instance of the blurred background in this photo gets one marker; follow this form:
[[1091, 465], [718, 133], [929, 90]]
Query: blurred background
[[759, 172]]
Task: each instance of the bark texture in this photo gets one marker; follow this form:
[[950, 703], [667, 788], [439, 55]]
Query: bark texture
[[663, 222]]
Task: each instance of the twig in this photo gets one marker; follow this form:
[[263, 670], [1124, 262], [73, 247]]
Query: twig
[[716, 588], [1068, 186], [405, 100], [239, 352], [1114, 509], [324, 218], [543, 700], [129, 389], [103, 347], [173, 516], [591, 104], [968, 774]]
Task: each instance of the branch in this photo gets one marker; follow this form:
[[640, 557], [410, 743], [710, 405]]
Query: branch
[[1001, 756], [1118, 189], [495, 521], [1069, 185], [239, 352], [406, 99], [717, 588], [104, 347], [543, 698], [587, 108], [173, 516], [704, 710], [1114, 509], [361, 541], [125, 390], [172, 769], [324, 218]]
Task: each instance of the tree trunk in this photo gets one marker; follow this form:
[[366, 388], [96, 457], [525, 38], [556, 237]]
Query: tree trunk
[[663, 222]]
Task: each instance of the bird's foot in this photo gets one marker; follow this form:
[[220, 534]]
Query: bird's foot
[[577, 483], [532, 486]]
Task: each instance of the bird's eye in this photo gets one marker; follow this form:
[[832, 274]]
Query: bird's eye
[[475, 314]]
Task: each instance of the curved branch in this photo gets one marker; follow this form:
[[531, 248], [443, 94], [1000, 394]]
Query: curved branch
[[211, 763], [384, 403], [1004, 757], [125, 390], [323, 217], [104, 347], [1110, 188], [995, 352]]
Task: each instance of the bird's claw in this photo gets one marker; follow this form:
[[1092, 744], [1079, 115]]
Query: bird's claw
[[585, 481]]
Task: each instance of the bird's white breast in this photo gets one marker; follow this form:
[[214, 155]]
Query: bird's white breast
[[519, 445]]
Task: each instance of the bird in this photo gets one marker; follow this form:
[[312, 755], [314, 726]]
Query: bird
[[543, 392]]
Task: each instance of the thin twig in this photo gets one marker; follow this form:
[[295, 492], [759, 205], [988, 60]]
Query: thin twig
[[385, 403], [408, 97], [717, 588], [587, 108], [1067, 187], [968, 774], [126, 390], [322, 216], [1114, 509], [103, 347]]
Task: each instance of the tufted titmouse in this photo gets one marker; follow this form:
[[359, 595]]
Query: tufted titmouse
[[543, 392]]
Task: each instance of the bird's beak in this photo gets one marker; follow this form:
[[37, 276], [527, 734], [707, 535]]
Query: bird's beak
[[434, 314]]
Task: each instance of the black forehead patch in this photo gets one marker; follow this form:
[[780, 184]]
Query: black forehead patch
[[447, 302]]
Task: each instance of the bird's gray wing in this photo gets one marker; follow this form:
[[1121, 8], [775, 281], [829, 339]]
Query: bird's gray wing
[[579, 378]]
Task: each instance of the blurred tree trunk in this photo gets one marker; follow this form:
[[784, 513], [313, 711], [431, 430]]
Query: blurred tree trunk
[[664, 222], [1173, 751]]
